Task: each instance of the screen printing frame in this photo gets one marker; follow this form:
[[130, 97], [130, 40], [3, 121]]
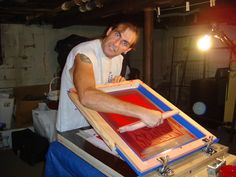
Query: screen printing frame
[[115, 142]]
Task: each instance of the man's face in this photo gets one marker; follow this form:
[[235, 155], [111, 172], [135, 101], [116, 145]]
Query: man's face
[[118, 41]]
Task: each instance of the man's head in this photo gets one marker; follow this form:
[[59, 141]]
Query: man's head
[[120, 39]]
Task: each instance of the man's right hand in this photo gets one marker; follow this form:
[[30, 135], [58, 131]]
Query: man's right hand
[[141, 124], [154, 118]]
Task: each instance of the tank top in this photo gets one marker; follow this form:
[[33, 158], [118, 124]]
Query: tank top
[[68, 116]]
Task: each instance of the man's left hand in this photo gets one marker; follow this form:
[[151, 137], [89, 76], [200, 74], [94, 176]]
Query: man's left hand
[[117, 79]]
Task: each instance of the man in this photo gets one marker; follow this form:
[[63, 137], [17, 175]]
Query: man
[[99, 62]]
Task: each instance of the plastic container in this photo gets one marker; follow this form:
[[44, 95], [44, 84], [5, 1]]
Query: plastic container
[[227, 171]]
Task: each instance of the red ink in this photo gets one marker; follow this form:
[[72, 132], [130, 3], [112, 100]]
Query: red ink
[[146, 141]]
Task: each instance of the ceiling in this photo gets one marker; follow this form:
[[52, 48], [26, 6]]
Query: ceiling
[[62, 13]]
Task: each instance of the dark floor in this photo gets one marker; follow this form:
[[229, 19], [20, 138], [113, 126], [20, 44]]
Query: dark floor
[[12, 166]]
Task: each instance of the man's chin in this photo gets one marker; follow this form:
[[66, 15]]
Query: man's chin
[[110, 55]]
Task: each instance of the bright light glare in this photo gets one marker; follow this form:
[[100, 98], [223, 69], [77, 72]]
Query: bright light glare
[[204, 43]]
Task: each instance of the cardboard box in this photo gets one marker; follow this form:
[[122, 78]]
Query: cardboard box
[[34, 91], [24, 112], [6, 111], [27, 99]]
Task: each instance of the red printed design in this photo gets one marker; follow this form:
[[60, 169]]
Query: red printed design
[[147, 142]]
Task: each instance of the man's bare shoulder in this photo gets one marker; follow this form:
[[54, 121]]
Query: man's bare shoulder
[[83, 58]]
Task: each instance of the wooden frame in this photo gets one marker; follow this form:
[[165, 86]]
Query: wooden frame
[[115, 142]]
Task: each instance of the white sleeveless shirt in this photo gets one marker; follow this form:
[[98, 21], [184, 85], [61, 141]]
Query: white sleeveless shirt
[[69, 117]]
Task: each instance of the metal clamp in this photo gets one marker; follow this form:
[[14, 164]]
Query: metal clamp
[[165, 170], [214, 168], [209, 149]]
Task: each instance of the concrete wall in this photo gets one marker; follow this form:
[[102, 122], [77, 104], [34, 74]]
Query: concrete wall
[[28, 52], [29, 57]]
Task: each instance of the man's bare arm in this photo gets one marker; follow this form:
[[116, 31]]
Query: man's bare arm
[[92, 98]]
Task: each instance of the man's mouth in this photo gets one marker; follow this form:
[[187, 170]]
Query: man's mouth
[[113, 48]]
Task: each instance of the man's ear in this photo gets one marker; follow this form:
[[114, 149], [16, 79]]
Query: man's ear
[[108, 31]]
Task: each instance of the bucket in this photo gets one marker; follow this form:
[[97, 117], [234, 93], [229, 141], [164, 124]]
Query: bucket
[[53, 95], [227, 171]]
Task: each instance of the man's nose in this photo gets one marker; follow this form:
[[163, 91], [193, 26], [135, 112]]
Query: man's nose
[[117, 42]]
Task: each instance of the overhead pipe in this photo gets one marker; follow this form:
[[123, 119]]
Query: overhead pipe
[[84, 5], [69, 4], [90, 5]]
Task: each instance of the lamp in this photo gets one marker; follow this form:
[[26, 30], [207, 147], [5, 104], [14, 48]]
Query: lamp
[[204, 43], [219, 34], [231, 85]]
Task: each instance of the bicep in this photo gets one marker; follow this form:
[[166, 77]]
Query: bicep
[[83, 75]]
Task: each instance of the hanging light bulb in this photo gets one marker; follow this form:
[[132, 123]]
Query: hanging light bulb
[[204, 43]]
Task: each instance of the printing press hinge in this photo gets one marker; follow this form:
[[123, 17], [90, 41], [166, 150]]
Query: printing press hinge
[[165, 169], [209, 149]]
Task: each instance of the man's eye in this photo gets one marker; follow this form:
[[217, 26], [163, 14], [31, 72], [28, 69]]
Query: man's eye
[[117, 34], [125, 43]]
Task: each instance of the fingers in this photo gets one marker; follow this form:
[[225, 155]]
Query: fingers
[[73, 90], [160, 117], [159, 122], [117, 79], [155, 122]]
